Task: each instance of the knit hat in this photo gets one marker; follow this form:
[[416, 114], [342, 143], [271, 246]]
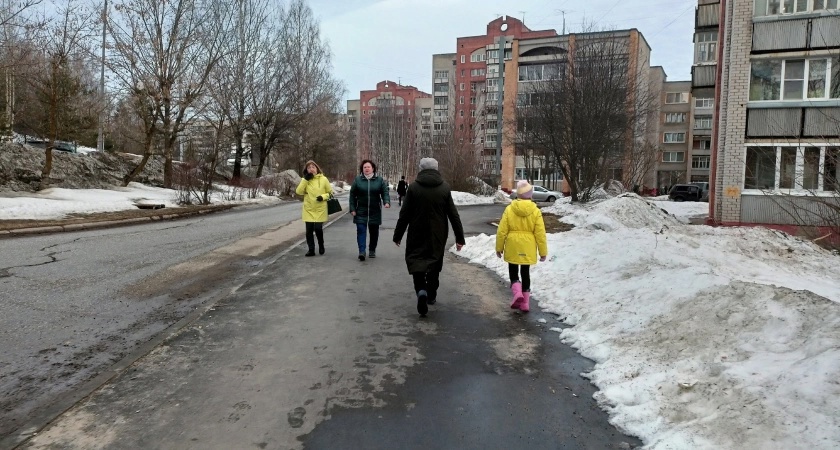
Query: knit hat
[[428, 163], [524, 189]]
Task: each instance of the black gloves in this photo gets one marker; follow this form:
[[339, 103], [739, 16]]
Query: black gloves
[[320, 198], [307, 176]]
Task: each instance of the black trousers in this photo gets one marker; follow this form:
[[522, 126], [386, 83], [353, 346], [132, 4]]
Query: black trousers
[[525, 270], [316, 228], [428, 281]]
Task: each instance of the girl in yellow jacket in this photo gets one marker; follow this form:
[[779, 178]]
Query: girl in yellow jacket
[[520, 237], [315, 189]]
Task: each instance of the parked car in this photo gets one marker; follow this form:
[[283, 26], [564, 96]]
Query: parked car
[[704, 188], [541, 194], [63, 146], [685, 193]]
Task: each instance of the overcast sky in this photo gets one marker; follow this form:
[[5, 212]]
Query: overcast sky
[[374, 40]]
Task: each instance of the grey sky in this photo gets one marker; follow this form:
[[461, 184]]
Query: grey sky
[[374, 40]]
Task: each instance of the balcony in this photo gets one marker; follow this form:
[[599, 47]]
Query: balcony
[[703, 76]]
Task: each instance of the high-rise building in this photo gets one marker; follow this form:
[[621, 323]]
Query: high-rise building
[[477, 90], [392, 126], [776, 152]]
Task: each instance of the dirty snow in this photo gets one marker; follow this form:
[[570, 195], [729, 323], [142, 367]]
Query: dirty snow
[[703, 338]]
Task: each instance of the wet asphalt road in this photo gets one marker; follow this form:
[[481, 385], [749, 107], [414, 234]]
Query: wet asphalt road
[[329, 352], [75, 303]]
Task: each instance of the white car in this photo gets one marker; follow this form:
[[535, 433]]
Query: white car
[[542, 194]]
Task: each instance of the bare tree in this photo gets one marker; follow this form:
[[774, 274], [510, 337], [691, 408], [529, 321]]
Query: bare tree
[[298, 84], [163, 55], [390, 136], [233, 79], [584, 109], [57, 78], [15, 22], [454, 148]]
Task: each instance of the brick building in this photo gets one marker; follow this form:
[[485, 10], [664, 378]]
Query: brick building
[[391, 126], [777, 140], [477, 89]]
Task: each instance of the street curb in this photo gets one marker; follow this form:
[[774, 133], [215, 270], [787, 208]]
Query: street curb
[[109, 223]]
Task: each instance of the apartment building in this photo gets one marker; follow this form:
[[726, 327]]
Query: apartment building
[[474, 86], [676, 135], [479, 86], [777, 142], [391, 125], [703, 79]]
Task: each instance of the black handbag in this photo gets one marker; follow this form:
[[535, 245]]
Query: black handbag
[[333, 206]]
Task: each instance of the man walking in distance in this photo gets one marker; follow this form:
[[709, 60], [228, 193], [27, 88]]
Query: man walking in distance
[[428, 206], [402, 186]]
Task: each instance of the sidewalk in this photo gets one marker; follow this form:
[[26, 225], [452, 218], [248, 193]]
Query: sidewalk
[[329, 337]]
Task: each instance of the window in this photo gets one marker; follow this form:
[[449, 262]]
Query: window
[[831, 169], [441, 74], [675, 118], [461, 87], [760, 171], [477, 57], [671, 138], [676, 97], [798, 6], [706, 46], [704, 102], [492, 124], [473, 86], [461, 113], [797, 168], [463, 59], [441, 101], [492, 54], [461, 100], [478, 72], [703, 122], [795, 79], [673, 157], [441, 87], [703, 144], [826, 4], [472, 100], [701, 162], [539, 72]]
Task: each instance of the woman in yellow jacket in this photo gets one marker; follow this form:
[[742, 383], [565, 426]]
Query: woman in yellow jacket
[[520, 236], [315, 189]]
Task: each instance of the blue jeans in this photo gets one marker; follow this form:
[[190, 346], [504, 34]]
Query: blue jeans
[[361, 235]]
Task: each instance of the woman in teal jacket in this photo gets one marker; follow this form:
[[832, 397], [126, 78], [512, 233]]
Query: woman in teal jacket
[[367, 195]]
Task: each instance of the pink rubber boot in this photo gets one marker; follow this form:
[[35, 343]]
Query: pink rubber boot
[[525, 305], [518, 298]]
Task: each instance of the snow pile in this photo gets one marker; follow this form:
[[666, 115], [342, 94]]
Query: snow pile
[[479, 187], [703, 338], [59, 203], [626, 211], [465, 198]]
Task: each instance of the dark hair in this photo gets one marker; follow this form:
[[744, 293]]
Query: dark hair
[[402, 177], [362, 165]]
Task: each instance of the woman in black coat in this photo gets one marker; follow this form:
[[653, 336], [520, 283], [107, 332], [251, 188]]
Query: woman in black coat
[[367, 195], [427, 207]]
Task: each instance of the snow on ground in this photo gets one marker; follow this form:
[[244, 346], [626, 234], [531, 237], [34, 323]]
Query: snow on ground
[[465, 198], [703, 338], [57, 203], [684, 211]]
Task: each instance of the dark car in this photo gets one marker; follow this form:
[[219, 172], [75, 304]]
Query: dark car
[[686, 193], [704, 189]]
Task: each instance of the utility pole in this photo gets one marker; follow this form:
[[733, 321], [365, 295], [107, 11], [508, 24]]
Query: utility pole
[[100, 139]]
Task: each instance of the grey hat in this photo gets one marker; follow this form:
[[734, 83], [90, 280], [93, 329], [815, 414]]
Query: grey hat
[[428, 163]]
